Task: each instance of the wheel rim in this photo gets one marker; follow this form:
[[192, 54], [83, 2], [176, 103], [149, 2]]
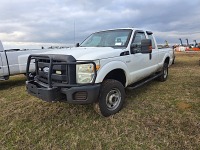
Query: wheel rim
[[113, 99]]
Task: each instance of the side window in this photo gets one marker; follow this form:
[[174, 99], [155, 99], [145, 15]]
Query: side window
[[153, 42], [136, 44]]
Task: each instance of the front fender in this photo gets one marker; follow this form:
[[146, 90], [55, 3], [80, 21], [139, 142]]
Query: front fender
[[109, 67]]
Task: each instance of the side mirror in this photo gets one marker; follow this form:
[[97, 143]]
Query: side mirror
[[146, 46], [77, 45]]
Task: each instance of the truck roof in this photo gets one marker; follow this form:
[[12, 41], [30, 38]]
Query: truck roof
[[130, 28]]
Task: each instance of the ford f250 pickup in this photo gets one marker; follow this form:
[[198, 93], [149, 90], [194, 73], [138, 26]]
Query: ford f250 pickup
[[99, 69]]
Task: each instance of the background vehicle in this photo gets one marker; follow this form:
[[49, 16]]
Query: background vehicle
[[99, 70], [14, 61]]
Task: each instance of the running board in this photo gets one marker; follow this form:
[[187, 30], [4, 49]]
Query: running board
[[142, 82]]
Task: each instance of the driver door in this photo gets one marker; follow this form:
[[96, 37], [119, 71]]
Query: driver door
[[139, 63]]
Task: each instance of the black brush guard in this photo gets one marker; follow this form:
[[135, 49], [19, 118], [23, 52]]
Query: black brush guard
[[45, 82]]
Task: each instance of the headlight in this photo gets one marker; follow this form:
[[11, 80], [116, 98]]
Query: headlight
[[85, 72]]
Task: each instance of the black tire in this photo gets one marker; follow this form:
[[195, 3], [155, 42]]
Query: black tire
[[173, 62], [165, 72], [111, 99]]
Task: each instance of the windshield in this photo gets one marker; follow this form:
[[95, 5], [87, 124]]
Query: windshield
[[110, 38]]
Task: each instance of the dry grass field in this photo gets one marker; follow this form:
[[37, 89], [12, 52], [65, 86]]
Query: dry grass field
[[159, 115]]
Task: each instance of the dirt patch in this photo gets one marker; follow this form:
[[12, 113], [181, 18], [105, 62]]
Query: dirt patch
[[183, 105]]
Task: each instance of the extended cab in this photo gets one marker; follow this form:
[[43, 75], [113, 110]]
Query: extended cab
[[99, 69]]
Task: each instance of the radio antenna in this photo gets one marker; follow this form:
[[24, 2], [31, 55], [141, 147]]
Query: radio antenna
[[74, 32]]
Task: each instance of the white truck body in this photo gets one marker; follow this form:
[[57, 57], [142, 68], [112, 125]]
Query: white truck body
[[13, 62], [98, 70], [110, 59]]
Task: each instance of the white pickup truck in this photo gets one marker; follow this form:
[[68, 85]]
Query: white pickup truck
[[99, 69], [14, 61]]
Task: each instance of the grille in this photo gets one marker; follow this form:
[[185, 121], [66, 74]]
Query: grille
[[58, 73]]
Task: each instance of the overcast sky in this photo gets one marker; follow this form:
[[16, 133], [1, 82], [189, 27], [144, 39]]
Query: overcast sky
[[36, 23]]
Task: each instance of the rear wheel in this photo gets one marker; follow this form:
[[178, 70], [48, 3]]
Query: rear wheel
[[173, 62], [111, 99], [164, 71]]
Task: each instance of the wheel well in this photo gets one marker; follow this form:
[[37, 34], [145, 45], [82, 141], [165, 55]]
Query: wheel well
[[167, 60], [117, 74]]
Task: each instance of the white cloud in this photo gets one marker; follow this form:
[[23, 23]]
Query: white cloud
[[52, 21]]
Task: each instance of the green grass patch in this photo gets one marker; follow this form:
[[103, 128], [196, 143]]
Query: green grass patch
[[159, 115]]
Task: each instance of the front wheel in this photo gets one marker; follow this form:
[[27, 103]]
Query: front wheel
[[111, 99]]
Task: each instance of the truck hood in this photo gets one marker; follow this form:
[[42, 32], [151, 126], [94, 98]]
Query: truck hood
[[88, 53]]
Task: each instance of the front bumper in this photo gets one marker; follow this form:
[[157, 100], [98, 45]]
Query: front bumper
[[86, 94]]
